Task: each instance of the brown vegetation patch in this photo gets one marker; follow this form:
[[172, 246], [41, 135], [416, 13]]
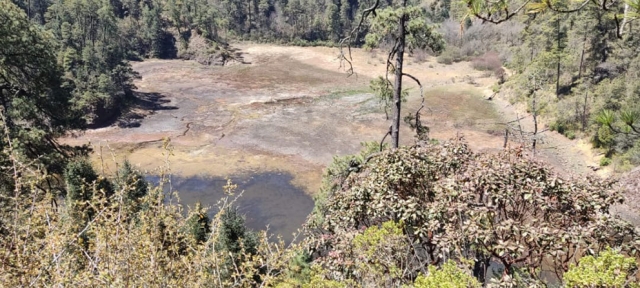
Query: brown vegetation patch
[[461, 105]]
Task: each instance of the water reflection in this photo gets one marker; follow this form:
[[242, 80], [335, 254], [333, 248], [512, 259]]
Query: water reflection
[[268, 199]]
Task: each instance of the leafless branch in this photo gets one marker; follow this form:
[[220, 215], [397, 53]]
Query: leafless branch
[[508, 15], [418, 123], [390, 56], [383, 138], [347, 59], [555, 9]]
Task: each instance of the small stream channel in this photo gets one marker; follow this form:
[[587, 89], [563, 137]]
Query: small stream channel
[[268, 199]]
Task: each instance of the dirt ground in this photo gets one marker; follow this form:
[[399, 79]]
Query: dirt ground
[[292, 109]]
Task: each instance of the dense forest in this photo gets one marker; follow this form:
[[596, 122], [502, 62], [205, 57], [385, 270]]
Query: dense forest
[[431, 215]]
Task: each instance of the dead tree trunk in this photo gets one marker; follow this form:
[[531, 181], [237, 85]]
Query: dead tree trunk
[[584, 44], [397, 89], [625, 18], [506, 138], [534, 111]]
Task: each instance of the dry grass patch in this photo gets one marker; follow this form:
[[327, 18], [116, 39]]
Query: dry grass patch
[[460, 103]]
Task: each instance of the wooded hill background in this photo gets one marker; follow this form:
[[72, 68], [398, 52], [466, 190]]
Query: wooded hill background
[[584, 65]]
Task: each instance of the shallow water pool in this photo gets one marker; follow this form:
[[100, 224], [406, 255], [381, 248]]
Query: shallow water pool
[[269, 199]]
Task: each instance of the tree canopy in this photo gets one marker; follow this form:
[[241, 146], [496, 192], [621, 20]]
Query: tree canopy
[[36, 104]]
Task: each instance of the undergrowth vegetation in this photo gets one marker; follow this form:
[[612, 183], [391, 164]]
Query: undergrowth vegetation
[[120, 231], [425, 216]]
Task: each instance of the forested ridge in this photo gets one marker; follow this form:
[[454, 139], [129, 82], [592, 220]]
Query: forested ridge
[[434, 214], [582, 68]]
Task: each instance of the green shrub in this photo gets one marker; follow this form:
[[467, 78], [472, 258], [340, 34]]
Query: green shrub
[[299, 272], [131, 181], [605, 161], [447, 276], [198, 224], [318, 281], [445, 59], [452, 54], [380, 251], [609, 269], [374, 236], [632, 156], [496, 88], [564, 128]]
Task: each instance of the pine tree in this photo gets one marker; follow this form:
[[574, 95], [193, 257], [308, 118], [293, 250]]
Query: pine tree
[[198, 224], [85, 190], [264, 9], [132, 184], [33, 95], [334, 22], [100, 77], [236, 240], [407, 28], [234, 235], [345, 14]]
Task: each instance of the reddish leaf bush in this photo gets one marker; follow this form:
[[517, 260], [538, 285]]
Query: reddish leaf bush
[[504, 208], [490, 61]]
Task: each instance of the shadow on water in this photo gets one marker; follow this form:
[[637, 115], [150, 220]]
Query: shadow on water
[[268, 199]]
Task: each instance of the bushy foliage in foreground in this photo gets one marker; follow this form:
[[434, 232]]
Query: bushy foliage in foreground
[[125, 236], [432, 214], [609, 269], [507, 209], [448, 276]]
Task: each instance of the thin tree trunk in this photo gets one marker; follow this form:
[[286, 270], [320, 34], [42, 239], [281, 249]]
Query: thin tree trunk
[[397, 92], [582, 59], [249, 14], [624, 18], [558, 72], [535, 119], [480, 267], [558, 80], [584, 111], [584, 44], [532, 52], [506, 138]]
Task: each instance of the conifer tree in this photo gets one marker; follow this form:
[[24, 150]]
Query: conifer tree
[[133, 184], [35, 103], [404, 25]]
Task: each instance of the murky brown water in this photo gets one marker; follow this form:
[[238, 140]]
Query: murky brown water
[[269, 199]]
